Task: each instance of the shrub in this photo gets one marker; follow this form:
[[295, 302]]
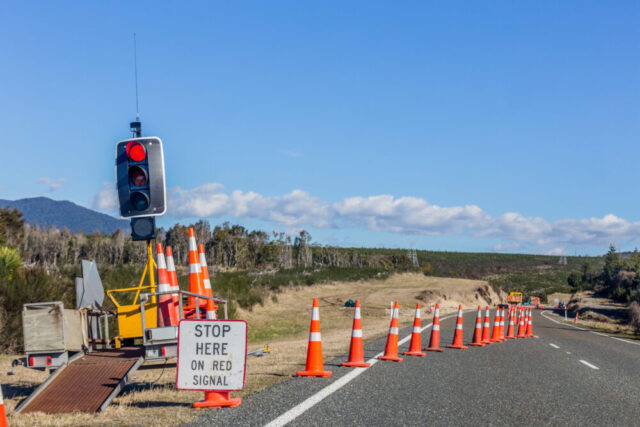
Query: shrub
[[634, 316]]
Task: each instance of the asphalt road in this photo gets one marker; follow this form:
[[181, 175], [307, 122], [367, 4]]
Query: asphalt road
[[565, 376]]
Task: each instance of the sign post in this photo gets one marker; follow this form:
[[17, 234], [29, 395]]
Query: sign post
[[212, 357]]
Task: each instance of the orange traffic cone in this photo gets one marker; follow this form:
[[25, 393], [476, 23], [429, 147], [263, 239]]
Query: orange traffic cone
[[195, 272], [314, 367], [486, 328], [575, 319], [173, 280], [477, 333], [434, 340], [166, 309], [217, 399], [529, 332], [521, 325], [3, 415], [356, 350], [206, 281], [416, 336], [501, 323], [391, 349], [495, 333], [511, 329], [457, 336]]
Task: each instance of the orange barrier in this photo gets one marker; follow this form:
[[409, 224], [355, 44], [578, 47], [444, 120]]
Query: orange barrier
[[434, 340], [206, 281], [391, 348], [314, 367], [3, 415], [457, 336], [166, 309], [575, 319], [501, 323], [356, 349], [195, 272], [477, 333], [416, 336]]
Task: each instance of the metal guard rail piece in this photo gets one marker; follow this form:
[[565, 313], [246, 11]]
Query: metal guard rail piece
[[144, 297]]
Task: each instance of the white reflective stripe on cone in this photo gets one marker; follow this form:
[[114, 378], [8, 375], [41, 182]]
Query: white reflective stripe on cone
[[164, 287], [194, 268], [437, 313], [315, 313], [356, 333], [436, 327], [458, 326], [207, 283], [393, 331], [486, 324], [478, 326], [161, 265], [203, 260], [192, 244], [459, 313], [315, 336], [416, 329], [417, 313], [396, 313], [211, 315], [356, 315]]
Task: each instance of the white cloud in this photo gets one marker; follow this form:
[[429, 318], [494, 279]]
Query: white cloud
[[407, 215], [107, 199], [52, 184]]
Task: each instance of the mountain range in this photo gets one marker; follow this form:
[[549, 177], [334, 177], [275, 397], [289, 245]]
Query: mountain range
[[45, 212]]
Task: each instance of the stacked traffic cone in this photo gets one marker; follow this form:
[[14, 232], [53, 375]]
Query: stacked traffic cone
[[501, 323], [486, 331], [217, 399], [416, 336], [529, 333], [511, 329], [495, 333], [173, 280], [356, 350], [166, 308], [206, 281], [521, 325], [477, 333], [391, 348], [195, 272], [457, 336], [434, 340], [314, 367]]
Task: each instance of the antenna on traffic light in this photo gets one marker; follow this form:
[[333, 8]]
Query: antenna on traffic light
[[136, 127]]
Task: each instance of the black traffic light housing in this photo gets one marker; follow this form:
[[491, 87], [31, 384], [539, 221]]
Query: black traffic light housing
[[140, 177]]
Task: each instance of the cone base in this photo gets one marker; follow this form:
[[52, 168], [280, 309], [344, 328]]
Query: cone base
[[495, 340], [521, 336], [216, 400], [355, 364], [414, 353], [529, 336], [459, 347], [433, 349], [322, 374], [510, 338], [390, 358], [489, 342], [476, 344]]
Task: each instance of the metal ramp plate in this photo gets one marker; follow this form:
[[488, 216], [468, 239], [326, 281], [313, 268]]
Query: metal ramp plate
[[87, 384]]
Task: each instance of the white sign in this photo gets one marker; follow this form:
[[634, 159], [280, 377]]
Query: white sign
[[212, 355]]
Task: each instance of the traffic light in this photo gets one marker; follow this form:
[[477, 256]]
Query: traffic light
[[140, 177]]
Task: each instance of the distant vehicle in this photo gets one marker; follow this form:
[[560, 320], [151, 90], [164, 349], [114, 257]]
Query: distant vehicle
[[562, 306], [515, 298]]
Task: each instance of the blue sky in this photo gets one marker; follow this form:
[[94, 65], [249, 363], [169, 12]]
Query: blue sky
[[507, 126]]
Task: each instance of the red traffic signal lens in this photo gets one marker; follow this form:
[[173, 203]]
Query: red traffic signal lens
[[136, 151], [139, 201], [137, 176]]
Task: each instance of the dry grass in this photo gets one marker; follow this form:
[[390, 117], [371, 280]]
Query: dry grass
[[152, 399]]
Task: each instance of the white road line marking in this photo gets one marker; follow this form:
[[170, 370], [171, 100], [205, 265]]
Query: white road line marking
[[561, 323], [301, 408], [553, 345], [627, 341], [535, 336], [568, 352], [600, 333], [589, 364]]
